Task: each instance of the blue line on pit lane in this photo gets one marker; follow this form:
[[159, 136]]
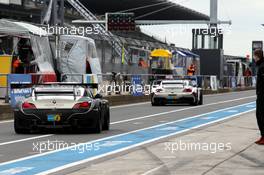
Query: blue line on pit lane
[[42, 163]]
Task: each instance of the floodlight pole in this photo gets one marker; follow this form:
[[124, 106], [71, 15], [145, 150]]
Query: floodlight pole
[[213, 22], [213, 12]]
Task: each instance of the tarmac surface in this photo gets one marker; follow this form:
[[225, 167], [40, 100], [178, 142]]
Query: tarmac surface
[[152, 158], [243, 157]]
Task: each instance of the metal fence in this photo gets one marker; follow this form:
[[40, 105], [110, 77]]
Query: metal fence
[[205, 82], [116, 84]]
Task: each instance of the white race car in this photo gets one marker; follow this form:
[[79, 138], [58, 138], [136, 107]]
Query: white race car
[[62, 106], [176, 91]]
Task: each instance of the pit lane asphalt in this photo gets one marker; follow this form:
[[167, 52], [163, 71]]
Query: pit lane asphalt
[[123, 119]]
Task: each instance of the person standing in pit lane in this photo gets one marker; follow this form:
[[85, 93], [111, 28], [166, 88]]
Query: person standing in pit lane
[[259, 59]]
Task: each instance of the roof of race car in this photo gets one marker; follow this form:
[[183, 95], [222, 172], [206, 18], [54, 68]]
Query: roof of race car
[[174, 81], [57, 88]]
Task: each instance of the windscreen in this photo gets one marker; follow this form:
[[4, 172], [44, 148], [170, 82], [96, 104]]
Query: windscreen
[[175, 84]]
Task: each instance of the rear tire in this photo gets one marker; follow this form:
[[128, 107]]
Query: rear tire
[[201, 99], [195, 102], [154, 102], [107, 121], [18, 128], [162, 103], [98, 127]]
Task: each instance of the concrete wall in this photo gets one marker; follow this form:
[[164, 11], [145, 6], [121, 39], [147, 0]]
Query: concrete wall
[[7, 113], [214, 58]]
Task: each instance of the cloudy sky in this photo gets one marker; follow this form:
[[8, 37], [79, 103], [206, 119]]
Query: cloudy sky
[[247, 17]]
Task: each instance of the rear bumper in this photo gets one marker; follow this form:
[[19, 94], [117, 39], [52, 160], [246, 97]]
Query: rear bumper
[[68, 118], [179, 98]]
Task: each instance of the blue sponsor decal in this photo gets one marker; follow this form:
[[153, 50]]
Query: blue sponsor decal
[[19, 79], [53, 117]]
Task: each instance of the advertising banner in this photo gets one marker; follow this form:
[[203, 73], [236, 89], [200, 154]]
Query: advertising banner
[[233, 82], [137, 86], [5, 69], [18, 94], [213, 80]]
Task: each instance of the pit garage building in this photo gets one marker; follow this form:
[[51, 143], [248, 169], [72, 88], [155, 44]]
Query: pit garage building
[[137, 43]]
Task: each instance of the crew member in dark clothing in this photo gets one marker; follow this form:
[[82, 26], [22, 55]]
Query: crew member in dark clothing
[[259, 59]]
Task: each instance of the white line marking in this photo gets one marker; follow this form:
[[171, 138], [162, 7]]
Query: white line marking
[[163, 121], [169, 128], [137, 123], [232, 111], [138, 104], [6, 121], [225, 93], [133, 119], [178, 110], [207, 118], [26, 139], [208, 95], [136, 145], [113, 143], [15, 170], [105, 138], [128, 105]]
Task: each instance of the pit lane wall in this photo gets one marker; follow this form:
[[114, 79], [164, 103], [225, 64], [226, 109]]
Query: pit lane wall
[[116, 100]]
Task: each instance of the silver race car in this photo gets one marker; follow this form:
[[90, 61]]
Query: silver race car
[[61, 106], [176, 91]]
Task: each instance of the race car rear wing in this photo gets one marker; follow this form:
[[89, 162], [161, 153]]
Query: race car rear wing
[[27, 85], [20, 91], [197, 79]]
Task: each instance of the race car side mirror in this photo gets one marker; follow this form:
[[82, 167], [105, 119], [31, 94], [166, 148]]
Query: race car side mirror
[[98, 96]]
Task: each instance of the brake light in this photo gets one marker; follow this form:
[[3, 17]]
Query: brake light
[[27, 105], [83, 105], [48, 77], [187, 90]]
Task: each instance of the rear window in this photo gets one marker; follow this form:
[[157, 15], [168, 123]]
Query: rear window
[[175, 83], [156, 82], [180, 83]]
